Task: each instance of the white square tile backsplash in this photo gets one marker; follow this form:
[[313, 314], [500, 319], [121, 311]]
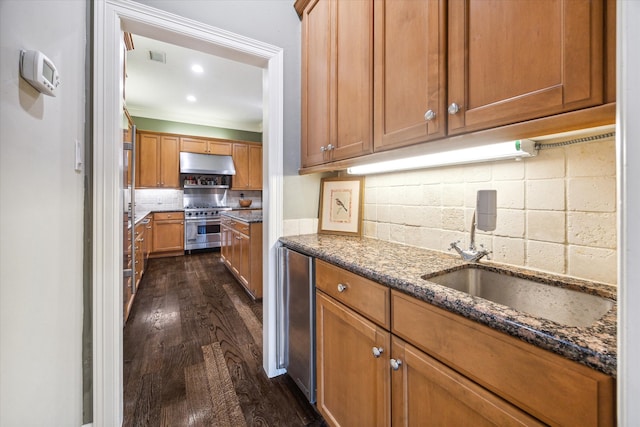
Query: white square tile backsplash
[[556, 212]]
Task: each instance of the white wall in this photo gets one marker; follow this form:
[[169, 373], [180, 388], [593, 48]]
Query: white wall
[[41, 218]]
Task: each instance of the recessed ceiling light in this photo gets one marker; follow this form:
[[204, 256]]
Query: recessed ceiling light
[[191, 98], [197, 68]]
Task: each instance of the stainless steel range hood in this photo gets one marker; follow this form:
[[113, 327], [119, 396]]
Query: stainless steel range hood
[[206, 164]]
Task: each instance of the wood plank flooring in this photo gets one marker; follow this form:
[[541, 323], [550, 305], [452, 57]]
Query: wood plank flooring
[[193, 353]]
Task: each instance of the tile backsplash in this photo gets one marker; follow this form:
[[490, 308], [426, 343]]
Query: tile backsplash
[[161, 198], [164, 199], [556, 212]]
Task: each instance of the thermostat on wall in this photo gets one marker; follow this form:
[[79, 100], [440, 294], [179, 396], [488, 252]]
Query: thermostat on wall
[[39, 71]]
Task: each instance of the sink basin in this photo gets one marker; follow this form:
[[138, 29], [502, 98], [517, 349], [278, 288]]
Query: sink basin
[[565, 306]]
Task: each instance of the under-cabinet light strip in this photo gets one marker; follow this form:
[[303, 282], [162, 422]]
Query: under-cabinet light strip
[[500, 151]]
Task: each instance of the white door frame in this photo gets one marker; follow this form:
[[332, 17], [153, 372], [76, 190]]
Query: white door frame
[[111, 17]]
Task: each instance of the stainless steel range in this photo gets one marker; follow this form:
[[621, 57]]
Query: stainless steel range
[[205, 179], [202, 226]]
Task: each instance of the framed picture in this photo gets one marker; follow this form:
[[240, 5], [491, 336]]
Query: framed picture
[[341, 206]]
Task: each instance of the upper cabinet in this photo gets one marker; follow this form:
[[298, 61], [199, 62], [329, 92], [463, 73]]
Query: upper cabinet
[[247, 158], [512, 61], [402, 72], [157, 161], [205, 146], [337, 80], [410, 72]]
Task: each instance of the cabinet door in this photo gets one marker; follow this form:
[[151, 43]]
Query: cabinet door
[[337, 78], [147, 160], [240, 180], [516, 60], [193, 145], [170, 162], [426, 392], [353, 384], [244, 250], [168, 236], [316, 81], [409, 83], [255, 167], [225, 245], [220, 147], [353, 78], [148, 236]]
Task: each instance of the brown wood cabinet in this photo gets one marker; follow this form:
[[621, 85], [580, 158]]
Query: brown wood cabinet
[[127, 282], [353, 384], [241, 252], [247, 159], [337, 76], [148, 236], [489, 69], [168, 234], [553, 389], [401, 361], [425, 389], [205, 146], [410, 72], [513, 61], [352, 321], [157, 160]]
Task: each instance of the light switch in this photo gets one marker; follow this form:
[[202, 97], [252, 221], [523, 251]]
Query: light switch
[[79, 156]]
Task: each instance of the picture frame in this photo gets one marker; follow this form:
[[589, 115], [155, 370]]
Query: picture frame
[[341, 206]]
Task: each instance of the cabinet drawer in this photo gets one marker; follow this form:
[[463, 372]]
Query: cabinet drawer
[[548, 386], [242, 227], [364, 296], [159, 216], [239, 226]]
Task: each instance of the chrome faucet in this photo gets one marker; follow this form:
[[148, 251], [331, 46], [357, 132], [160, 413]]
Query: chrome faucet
[[472, 254]]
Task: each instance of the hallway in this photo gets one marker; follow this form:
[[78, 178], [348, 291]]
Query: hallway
[[193, 353]]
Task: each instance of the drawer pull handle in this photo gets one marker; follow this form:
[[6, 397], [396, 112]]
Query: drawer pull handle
[[341, 287], [377, 351], [395, 364]]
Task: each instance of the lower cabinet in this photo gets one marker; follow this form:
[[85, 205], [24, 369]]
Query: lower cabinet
[[241, 252], [353, 383], [424, 389], [385, 358], [168, 234]]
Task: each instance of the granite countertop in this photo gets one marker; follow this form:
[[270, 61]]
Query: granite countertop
[[401, 267], [249, 216]]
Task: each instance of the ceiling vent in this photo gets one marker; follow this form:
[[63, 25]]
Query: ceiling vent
[[158, 56]]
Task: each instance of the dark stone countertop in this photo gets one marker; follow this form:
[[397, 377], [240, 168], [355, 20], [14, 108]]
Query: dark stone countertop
[[248, 216], [401, 267]]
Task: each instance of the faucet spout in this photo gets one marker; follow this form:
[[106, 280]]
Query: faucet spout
[[472, 254], [472, 244]]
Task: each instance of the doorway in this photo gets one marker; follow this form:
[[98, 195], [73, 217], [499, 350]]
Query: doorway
[[111, 18]]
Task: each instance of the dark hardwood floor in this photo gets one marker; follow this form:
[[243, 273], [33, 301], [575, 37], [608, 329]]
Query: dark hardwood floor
[[193, 353]]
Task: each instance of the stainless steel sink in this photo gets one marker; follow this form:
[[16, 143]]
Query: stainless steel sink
[[565, 306]]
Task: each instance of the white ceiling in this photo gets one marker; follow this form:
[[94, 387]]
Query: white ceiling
[[228, 93]]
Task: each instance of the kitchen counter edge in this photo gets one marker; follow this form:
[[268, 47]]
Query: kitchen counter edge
[[401, 267], [248, 216]]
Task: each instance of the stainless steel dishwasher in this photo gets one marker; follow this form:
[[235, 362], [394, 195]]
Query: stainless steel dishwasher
[[296, 319]]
